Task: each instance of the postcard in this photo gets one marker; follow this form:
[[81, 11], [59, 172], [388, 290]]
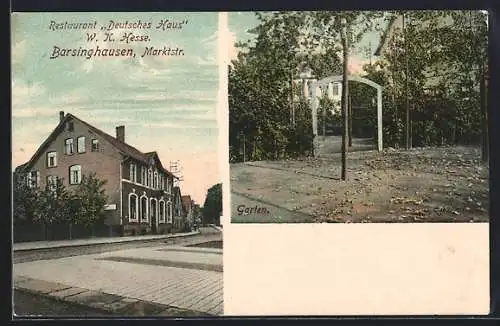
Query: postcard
[[117, 185], [359, 163]]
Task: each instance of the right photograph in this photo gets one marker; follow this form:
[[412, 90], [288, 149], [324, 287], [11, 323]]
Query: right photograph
[[359, 116]]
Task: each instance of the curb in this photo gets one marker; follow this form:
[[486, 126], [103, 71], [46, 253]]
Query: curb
[[103, 302], [72, 245]]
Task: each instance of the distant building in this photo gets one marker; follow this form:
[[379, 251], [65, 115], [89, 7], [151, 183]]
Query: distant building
[[187, 205], [139, 188]]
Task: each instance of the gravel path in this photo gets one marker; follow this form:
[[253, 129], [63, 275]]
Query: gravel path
[[446, 184]]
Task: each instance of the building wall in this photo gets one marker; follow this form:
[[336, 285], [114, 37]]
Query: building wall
[[105, 163], [140, 226]]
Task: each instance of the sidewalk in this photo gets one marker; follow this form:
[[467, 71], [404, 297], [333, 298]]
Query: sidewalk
[[108, 303], [84, 242]]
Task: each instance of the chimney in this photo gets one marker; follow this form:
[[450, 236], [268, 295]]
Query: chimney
[[61, 116], [120, 133]]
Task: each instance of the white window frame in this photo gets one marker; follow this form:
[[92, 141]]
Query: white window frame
[[150, 178], [136, 219], [155, 180], [151, 199], [169, 211], [52, 182], [161, 211], [142, 217], [78, 168], [33, 179], [133, 172], [161, 178], [53, 155], [80, 147], [143, 175], [95, 142], [69, 148]]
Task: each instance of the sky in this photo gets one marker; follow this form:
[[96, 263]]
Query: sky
[[240, 22], [168, 104]]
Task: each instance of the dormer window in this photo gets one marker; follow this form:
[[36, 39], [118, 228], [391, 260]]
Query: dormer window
[[133, 172]]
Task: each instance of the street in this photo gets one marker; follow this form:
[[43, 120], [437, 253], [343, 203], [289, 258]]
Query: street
[[27, 304], [177, 273]]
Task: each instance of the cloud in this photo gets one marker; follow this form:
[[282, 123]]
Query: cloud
[[233, 51], [18, 52]]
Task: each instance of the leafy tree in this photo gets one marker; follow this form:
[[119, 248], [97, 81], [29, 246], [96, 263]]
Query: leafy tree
[[52, 204], [87, 201], [445, 52], [261, 88], [24, 202], [212, 208]]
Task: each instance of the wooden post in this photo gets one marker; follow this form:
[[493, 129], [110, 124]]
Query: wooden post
[[345, 93], [350, 120], [408, 123], [484, 117]]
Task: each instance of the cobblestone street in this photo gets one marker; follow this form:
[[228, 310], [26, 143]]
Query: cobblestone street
[[168, 274]]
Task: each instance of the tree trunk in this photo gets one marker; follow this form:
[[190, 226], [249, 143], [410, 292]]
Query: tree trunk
[[345, 93], [407, 100], [350, 119], [484, 118]]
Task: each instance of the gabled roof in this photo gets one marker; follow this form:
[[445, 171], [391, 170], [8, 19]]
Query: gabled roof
[[125, 149], [186, 201]]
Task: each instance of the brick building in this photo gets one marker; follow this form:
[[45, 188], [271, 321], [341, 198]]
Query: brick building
[[140, 190]]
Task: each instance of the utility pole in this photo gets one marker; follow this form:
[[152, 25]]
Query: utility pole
[[176, 169], [408, 122], [345, 93]]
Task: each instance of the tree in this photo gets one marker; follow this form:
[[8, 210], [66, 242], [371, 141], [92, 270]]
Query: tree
[[212, 208], [52, 204], [444, 50], [87, 201], [24, 202]]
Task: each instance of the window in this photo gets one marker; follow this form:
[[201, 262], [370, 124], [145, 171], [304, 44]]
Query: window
[[160, 180], [155, 182], [80, 144], [169, 212], [51, 159], [169, 185], [71, 126], [52, 182], [144, 208], [133, 207], [153, 207], [150, 178], [75, 174], [133, 172], [68, 146], [143, 175], [162, 211], [33, 179], [95, 145]]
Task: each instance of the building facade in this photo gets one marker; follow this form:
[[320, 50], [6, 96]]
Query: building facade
[[139, 188]]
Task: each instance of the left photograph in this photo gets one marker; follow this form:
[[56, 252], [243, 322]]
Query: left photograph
[[117, 188]]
